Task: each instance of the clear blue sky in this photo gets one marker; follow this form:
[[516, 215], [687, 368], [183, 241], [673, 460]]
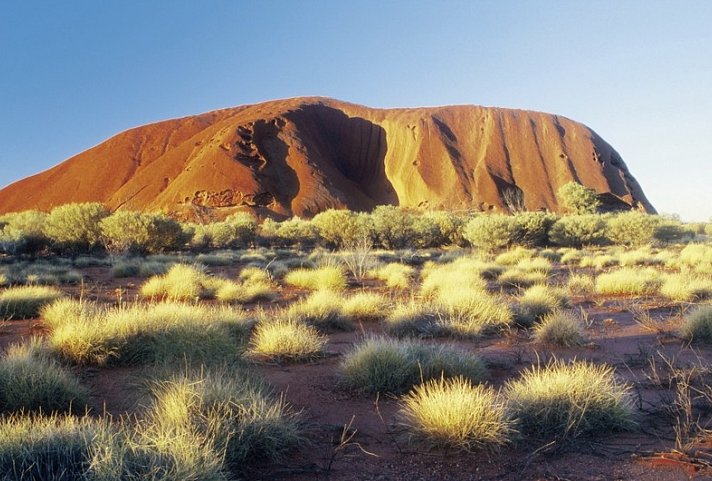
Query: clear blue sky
[[73, 73]]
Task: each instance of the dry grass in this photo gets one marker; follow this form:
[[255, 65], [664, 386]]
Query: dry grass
[[471, 315], [563, 400], [538, 301], [453, 413], [390, 365], [686, 287], [181, 282], [25, 302], [285, 340], [141, 334], [411, 319], [559, 328], [697, 325], [328, 277], [366, 306], [629, 281], [581, 284], [395, 275]]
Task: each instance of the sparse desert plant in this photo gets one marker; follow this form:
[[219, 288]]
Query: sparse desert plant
[[136, 268], [463, 274], [697, 325], [389, 365], [25, 302], [559, 328], [31, 382], [395, 275], [181, 282], [538, 301], [470, 315], [341, 227], [366, 306], [514, 256], [599, 261], [632, 228], [232, 413], [285, 340], [452, 413], [686, 287], [244, 293], [567, 400], [327, 277], [145, 334], [57, 448], [323, 309], [393, 227], [516, 277], [411, 319], [629, 281], [580, 284]]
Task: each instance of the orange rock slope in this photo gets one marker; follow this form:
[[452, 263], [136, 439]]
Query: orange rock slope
[[304, 155]]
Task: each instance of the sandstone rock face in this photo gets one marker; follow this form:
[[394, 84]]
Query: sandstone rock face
[[304, 155]]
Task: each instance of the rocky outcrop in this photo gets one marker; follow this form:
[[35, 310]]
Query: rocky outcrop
[[304, 155]]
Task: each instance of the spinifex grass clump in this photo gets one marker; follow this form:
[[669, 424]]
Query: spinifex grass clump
[[285, 340], [231, 413], [563, 400], [686, 287], [390, 365], [323, 309], [25, 302], [463, 274], [254, 285], [697, 325], [538, 301], [453, 413], [629, 281], [328, 277], [366, 306], [559, 328], [181, 282], [395, 275], [471, 314], [412, 319], [141, 334], [31, 382], [580, 284]]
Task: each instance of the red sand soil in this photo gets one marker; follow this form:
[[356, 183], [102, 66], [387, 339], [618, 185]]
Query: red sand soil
[[374, 452], [301, 156]]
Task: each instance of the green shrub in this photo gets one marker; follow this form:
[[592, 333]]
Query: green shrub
[[393, 227], [388, 365], [697, 325], [342, 227], [75, 226], [31, 382], [533, 228], [578, 231], [22, 232], [491, 232], [449, 227], [559, 328], [236, 231], [563, 400], [136, 232], [632, 228], [25, 302], [452, 413], [578, 199]]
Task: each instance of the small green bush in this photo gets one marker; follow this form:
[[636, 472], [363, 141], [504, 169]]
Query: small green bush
[[491, 232], [75, 226], [136, 232], [578, 199], [578, 231], [632, 228]]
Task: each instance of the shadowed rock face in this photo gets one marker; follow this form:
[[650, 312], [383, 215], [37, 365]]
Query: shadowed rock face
[[301, 156]]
